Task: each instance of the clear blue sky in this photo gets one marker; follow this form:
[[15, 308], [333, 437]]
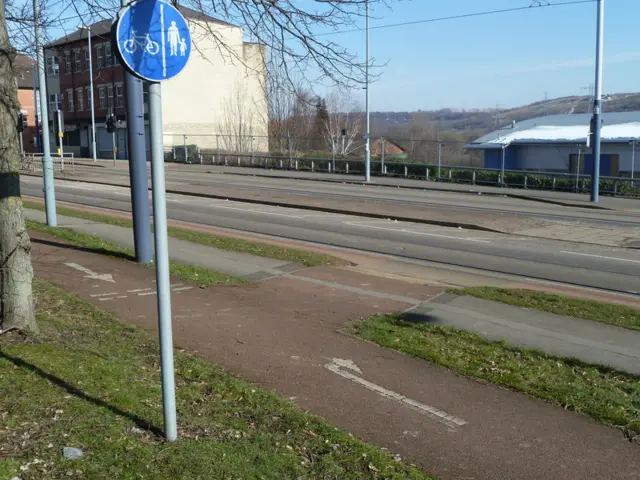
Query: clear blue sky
[[505, 59]]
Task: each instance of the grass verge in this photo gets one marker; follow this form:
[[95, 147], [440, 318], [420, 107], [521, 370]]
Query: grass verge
[[619, 315], [189, 273], [91, 382], [302, 257], [607, 395]]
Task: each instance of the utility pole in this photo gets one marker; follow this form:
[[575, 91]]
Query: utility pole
[[367, 146], [597, 106], [93, 105], [47, 163]]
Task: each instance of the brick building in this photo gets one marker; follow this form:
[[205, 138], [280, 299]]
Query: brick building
[[196, 103], [24, 69]]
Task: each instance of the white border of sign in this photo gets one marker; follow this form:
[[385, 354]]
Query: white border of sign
[[117, 45]]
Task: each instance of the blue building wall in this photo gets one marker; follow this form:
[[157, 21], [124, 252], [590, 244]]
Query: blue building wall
[[493, 158], [606, 165]]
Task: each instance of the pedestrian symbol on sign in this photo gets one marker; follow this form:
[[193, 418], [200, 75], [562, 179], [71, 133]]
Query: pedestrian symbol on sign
[[153, 39]]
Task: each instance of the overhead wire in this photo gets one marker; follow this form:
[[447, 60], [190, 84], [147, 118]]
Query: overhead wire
[[463, 15]]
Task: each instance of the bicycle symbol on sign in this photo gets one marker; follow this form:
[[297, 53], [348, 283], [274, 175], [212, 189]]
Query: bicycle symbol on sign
[[143, 42]]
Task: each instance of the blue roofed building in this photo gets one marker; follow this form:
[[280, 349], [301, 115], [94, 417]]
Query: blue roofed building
[[559, 143]]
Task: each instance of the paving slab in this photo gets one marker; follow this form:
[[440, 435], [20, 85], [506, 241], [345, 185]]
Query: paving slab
[[249, 267], [591, 342], [284, 334]]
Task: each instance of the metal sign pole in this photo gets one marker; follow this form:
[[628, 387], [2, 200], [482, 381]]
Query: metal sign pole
[[47, 163], [162, 261], [157, 51]]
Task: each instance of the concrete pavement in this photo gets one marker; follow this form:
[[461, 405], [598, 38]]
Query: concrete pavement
[[283, 334], [588, 341]]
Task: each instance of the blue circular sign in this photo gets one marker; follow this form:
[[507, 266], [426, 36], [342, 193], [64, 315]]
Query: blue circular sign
[[153, 40]]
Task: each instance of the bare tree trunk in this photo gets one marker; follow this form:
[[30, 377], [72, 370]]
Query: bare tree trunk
[[16, 273]]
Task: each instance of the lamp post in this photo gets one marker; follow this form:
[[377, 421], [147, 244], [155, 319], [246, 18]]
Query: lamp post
[[597, 106], [367, 146], [93, 105]]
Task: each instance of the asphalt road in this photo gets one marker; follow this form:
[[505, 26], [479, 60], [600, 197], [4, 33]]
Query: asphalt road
[[626, 213], [614, 269]]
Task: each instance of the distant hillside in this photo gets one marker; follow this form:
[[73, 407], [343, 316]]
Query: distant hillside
[[486, 120]]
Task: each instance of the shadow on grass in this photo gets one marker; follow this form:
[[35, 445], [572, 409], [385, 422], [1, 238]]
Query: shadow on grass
[[140, 422], [99, 251]]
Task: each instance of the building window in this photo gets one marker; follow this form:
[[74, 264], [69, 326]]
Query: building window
[[86, 59], [110, 95], [77, 60], [101, 97], [80, 99], [67, 62], [53, 68], [100, 57], [116, 60], [88, 90], [69, 100], [119, 95], [107, 55], [53, 103]]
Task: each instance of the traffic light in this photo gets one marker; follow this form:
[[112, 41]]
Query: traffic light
[[111, 124], [22, 122]]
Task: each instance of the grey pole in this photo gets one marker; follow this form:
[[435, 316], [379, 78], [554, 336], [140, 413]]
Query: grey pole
[[34, 76], [21, 144], [137, 153], [440, 158], [367, 145], [502, 166], [633, 158], [597, 106], [162, 262], [113, 146], [382, 172], [93, 104], [578, 168], [60, 133], [186, 155], [47, 163]]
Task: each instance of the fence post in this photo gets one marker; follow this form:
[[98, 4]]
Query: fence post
[[347, 168], [615, 188], [525, 182], [217, 154], [329, 167], [296, 164], [426, 174], [449, 174], [553, 183], [312, 166], [173, 151], [382, 167], [238, 160], [406, 171], [280, 164], [473, 177], [200, 155]]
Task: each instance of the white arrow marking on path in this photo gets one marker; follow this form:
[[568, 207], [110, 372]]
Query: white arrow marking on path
[[107, 277], [338, 364]]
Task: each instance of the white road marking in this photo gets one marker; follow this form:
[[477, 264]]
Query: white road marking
[[104, 294], [404, 230], [147, 293], [106, 299], [107, 277], [601, 256], [181, 289], [138, 290], [337, 365]]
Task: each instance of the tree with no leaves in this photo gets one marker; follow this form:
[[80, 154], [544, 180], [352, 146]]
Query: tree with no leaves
[[299, 35]]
